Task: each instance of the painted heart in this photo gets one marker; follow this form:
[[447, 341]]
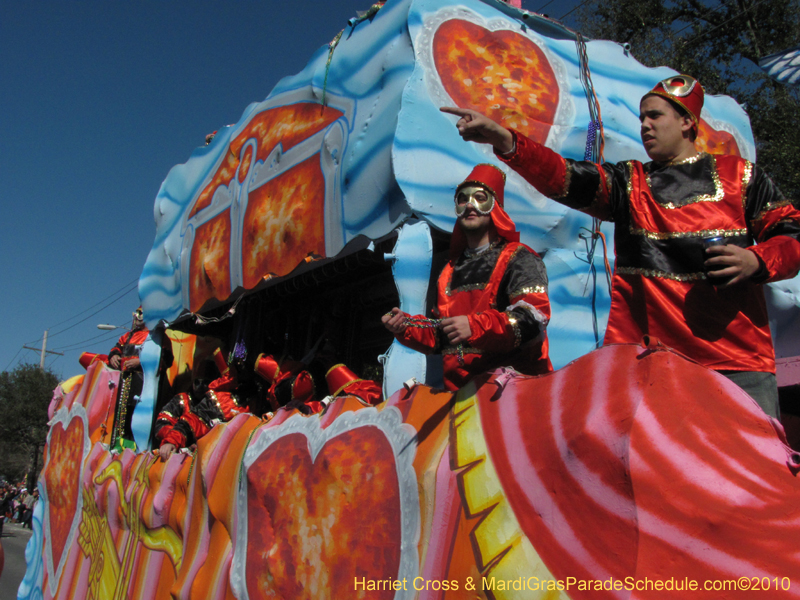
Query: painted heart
[[62, 472], [315, 523], [501, 74], [715, 141]]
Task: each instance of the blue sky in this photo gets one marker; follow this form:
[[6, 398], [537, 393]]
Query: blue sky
[[98, 100]]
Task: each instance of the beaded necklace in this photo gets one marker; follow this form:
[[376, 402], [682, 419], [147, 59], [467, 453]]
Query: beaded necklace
[[423, 323]]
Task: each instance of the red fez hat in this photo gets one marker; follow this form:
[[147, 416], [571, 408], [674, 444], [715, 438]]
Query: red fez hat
[[684, 91], [219, 360], [87, 358], [339, 376], [490, 177], [303, 387], [267, 367]]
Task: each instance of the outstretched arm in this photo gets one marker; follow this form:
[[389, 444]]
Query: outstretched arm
[[594, 189], [475, 127]]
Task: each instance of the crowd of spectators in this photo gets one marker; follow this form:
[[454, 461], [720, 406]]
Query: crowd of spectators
[[16, 505]]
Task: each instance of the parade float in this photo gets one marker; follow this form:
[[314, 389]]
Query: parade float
[[324, 206]]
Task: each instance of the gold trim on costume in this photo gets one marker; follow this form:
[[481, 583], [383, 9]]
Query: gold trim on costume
[[684, 161], [746, 175], [532, 289], [336, 366], [216, 401], [514, 322], [769, 207], [629, 164], [464, 288], [466, 350], [719, 194], [671, 235], [660, 274], [567, 179], [781, 222], [339, 391]]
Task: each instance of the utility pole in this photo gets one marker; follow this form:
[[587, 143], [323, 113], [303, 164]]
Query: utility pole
[[43, 350]]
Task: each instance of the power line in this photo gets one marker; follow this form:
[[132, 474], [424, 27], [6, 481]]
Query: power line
[[573, 10], [127, 285], [130, 287], [106, 336], [541, 8], [12, 360], [704, 33], [89, 316]]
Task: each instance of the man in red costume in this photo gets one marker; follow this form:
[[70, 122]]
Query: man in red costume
[[125, 357], [706, 303], [492, 307], [182, 422]]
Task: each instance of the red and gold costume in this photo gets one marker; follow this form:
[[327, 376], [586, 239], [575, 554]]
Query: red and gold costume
[[661, 213], [502, 289], [129, 346], [182, 423], [170, 416]]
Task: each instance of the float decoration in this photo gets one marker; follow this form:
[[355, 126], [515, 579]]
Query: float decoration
[[542, 482], [514, 481]]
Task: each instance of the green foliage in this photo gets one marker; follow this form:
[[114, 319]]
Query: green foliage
[[719, 43], [25, 395]]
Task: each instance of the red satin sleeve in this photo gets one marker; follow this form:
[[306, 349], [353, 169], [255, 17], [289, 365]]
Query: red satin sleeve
[[492, 332], [421, 339], [781, 257], [169, 415], [174, 437], [541, 167], [366, 389], [775, 223], [597, 190], [197, 426], [226, 383]]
